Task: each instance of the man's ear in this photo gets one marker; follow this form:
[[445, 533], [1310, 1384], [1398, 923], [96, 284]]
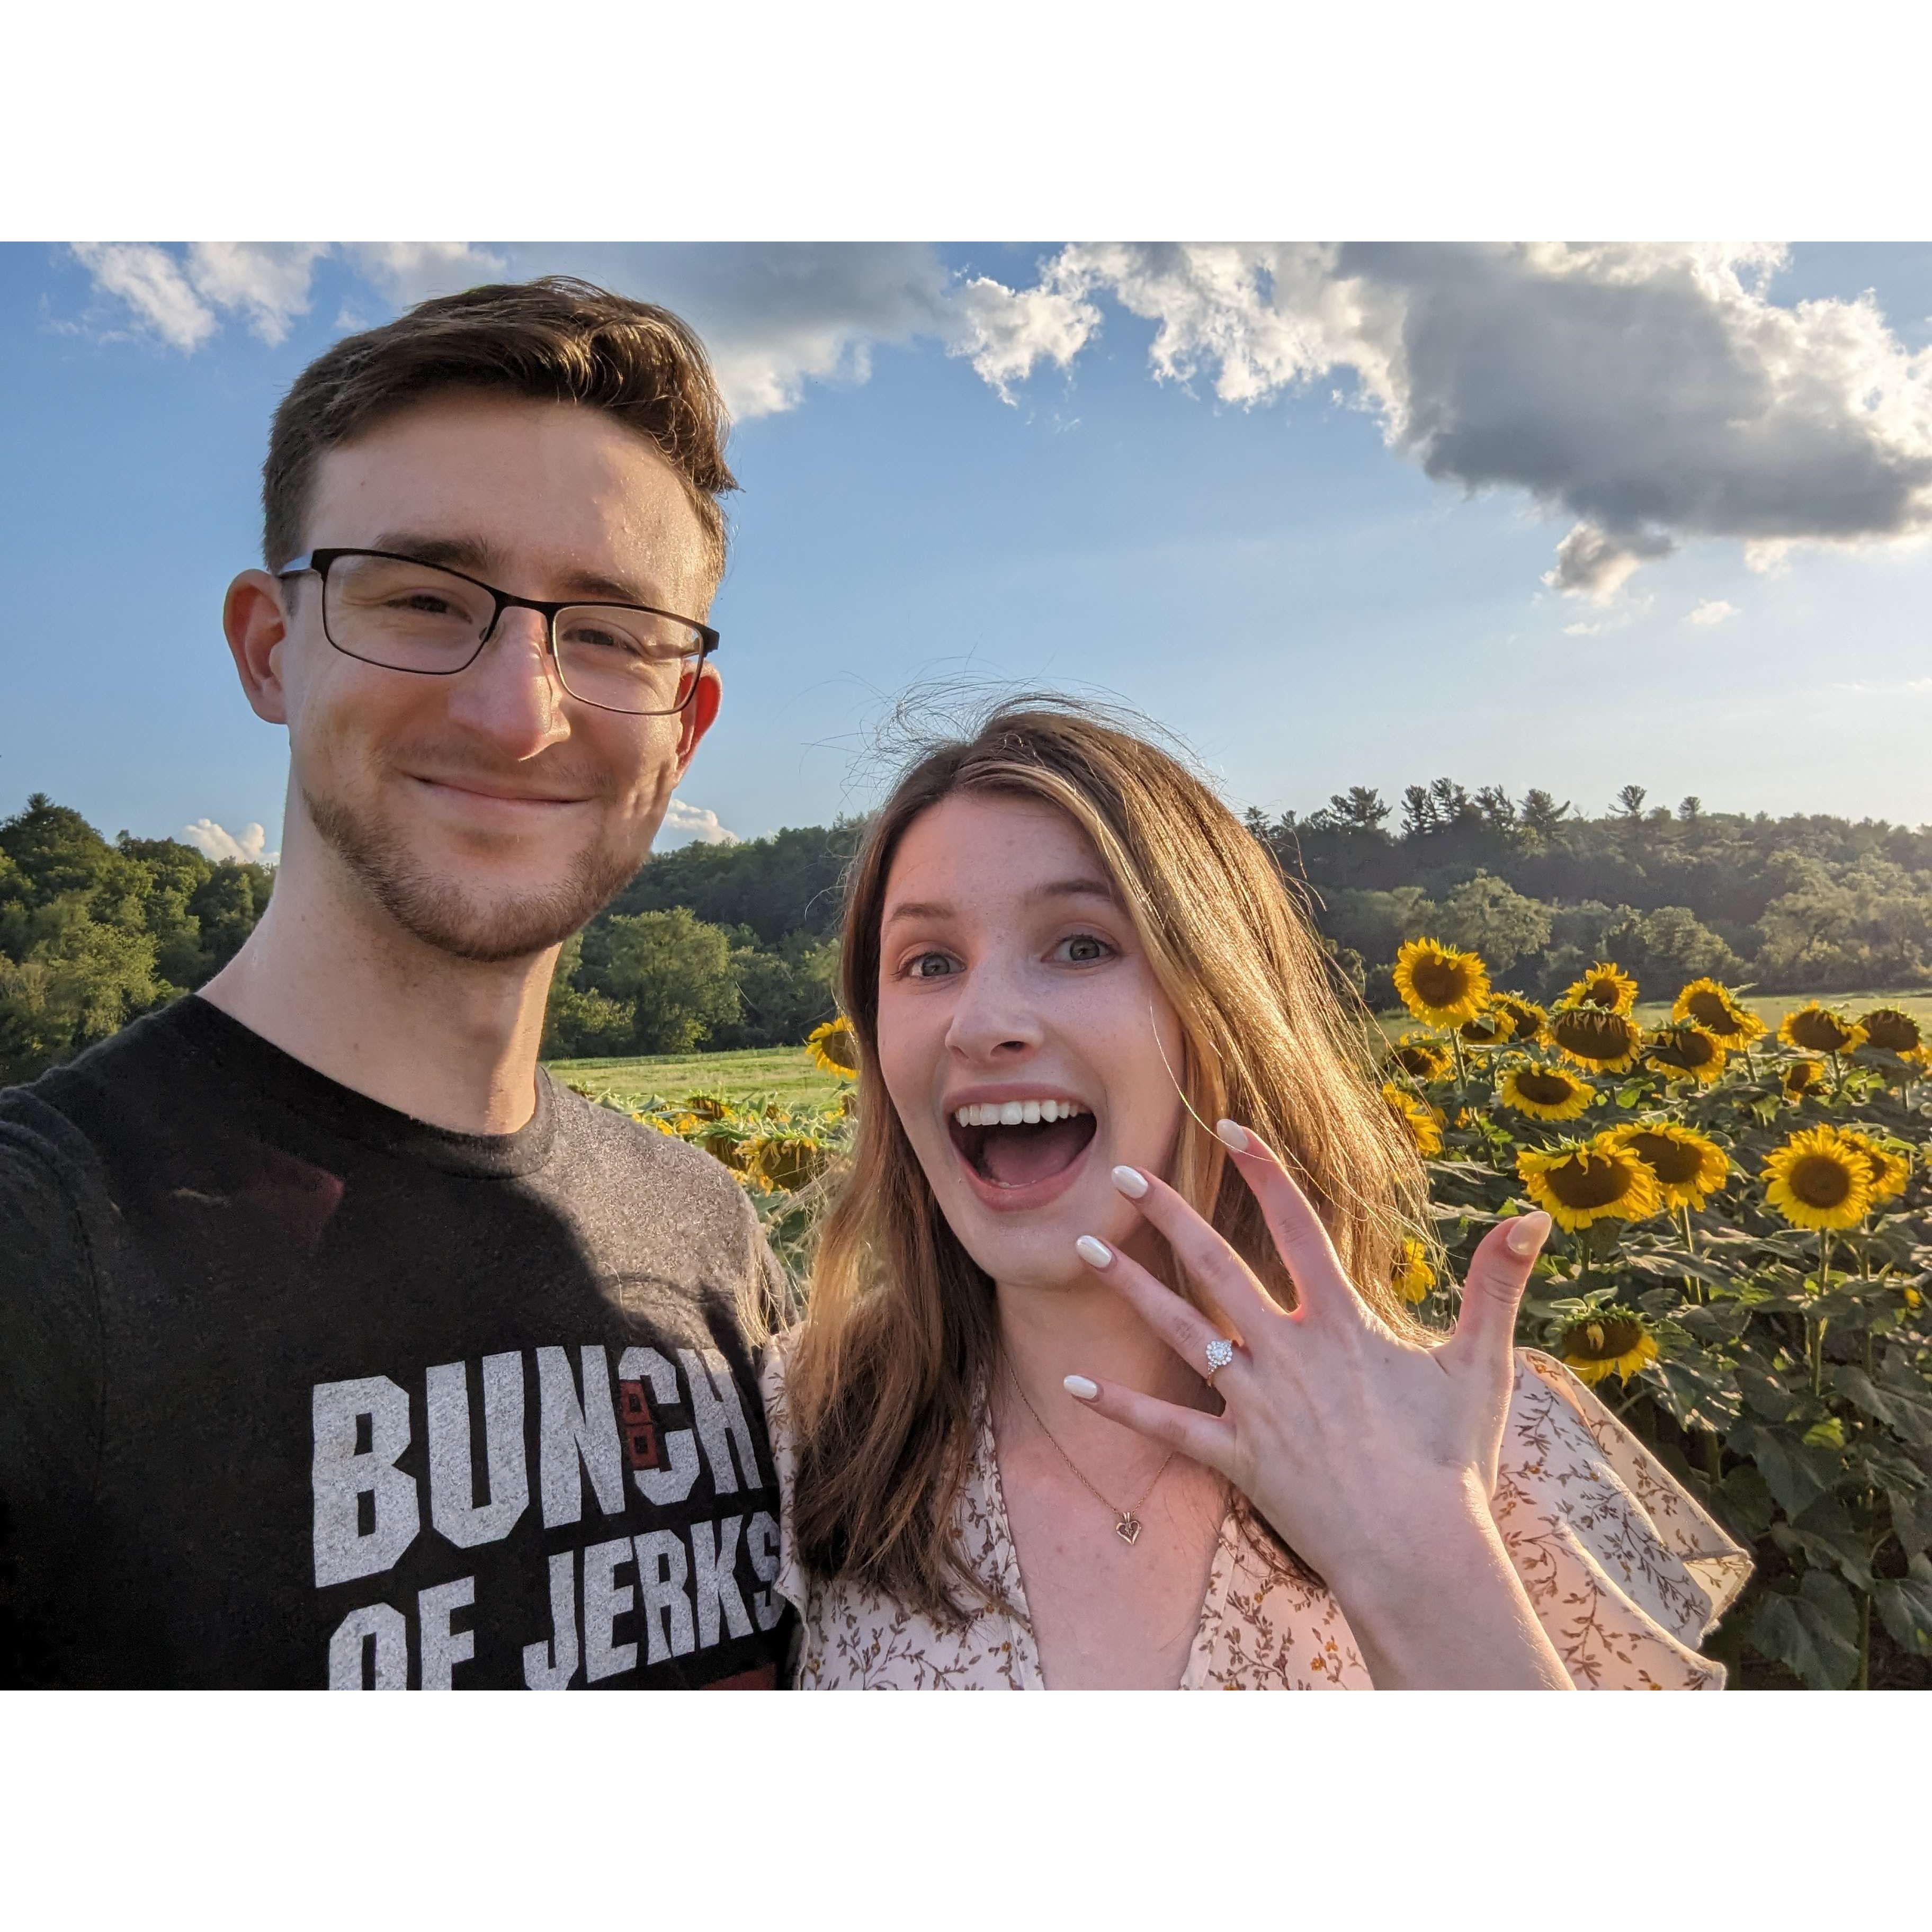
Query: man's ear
[[255, 625], [697, 718]]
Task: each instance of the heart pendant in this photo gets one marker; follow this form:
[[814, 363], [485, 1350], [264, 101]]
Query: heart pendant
[[1128, 1529]]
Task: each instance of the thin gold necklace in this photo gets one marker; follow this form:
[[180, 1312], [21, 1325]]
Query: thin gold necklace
[[1126, 1522]]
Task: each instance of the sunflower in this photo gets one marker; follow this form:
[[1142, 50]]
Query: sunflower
[[1686, 1051], [1544, 1092], [1815, 1029], [1819, 1179], [1528, 1018], [1896, 1032], [1440, 985], [1606, 985], [1802, 1077], [1490, 1027], [1688, 1167], [834, 1048], [1421, 1057], [1596, 1038], [708, 1106], [1715, 1009], [1611, 1340], [1596, 1180], [784, 1160], [1414, 1276], [1424, 1123], [727, 1140], [1888, 1171]]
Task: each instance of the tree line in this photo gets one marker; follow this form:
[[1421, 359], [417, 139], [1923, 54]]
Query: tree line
[[716, 946]]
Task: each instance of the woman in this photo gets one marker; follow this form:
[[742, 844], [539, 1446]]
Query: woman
[[1103, 1381]]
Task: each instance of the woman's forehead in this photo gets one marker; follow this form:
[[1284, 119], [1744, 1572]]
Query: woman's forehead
[[991, 845]]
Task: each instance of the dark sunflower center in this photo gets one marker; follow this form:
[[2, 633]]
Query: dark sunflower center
[[1821, 1181], [1687, 1049], [1596, 1184], [1441, 982], [1818, 1031], [1547, 1090], [1602, 1341], [1670, 1160], [1894, 1031], [1602, 993], [1713, 1011], [1592, 1033]]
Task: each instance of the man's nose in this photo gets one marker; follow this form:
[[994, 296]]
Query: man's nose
[[511, 694], [993, 1019]]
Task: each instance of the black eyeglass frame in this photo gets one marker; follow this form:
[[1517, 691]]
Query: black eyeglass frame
[[318, 562]]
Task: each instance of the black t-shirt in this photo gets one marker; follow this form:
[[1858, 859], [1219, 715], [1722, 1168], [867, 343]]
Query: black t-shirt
[[297, 1390]]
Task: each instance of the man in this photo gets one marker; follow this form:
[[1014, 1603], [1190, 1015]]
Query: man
[[338, 1345]]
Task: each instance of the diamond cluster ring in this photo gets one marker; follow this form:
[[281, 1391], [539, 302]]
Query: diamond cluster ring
[[1220, 1353]]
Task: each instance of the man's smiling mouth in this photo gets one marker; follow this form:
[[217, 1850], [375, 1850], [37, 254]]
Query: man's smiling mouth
[[1019, 1143]]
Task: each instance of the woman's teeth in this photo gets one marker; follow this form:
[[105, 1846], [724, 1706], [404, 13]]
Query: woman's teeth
[[1016, 1113]]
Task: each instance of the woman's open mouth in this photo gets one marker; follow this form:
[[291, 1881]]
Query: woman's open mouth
[[1020, 1154]]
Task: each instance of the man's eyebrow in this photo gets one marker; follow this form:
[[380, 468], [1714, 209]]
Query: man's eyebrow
[[475, 557]]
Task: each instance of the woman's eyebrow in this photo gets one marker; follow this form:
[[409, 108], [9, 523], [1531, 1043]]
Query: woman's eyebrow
[[918, 909], [1075, 889]]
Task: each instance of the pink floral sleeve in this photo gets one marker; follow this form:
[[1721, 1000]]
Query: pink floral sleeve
[[1625, 1569]]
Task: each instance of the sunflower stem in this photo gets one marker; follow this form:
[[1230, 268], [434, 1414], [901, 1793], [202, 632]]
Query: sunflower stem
[[1864, 1640]]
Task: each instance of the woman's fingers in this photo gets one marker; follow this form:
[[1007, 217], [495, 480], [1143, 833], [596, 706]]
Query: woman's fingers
[[1208, 1439], [1492, 1290], [1199, 1250], [1178, 1323], [1299, 1235]]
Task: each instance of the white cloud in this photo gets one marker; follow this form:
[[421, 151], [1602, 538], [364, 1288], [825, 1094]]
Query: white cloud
[[1712, 610], [180, 296], [216, 842], [690, 825], [1651, 394], [154, 286]]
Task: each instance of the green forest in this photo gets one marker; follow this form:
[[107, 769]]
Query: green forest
[[711, 947]]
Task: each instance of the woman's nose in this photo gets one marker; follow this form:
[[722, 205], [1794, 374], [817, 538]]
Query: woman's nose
[[993, 1018]]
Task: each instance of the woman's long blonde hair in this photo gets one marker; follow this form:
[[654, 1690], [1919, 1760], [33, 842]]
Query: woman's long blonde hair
[[901, 1333]]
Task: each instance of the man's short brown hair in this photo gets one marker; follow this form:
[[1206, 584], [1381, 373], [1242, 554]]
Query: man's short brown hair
[[556, 340]]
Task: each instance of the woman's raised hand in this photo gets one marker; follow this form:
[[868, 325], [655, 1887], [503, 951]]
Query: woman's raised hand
[[1374, 1457]]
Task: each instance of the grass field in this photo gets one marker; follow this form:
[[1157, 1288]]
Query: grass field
[[785, 1073]]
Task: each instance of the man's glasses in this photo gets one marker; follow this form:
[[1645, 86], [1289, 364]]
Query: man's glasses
[[393, 611]]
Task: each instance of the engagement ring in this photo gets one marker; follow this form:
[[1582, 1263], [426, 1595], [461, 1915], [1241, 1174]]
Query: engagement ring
[[1220, 1353]]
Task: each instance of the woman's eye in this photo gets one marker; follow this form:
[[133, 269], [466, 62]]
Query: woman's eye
[[929, 966], [1082, 950]]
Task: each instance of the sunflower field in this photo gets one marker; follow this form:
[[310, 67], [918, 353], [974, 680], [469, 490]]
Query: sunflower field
[[1740, 1263]]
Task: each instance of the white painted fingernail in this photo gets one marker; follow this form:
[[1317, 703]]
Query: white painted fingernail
[[1527, 1232], [1235, 1137], [1096, 1252], [1080, 1386], [1130, 1181]]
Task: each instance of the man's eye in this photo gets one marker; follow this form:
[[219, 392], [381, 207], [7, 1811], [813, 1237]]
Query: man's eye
[[1083, 949]]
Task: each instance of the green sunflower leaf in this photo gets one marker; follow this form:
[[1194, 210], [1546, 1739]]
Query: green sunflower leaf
[[1907, 1411], [1813, 1634], [1905, 1606]]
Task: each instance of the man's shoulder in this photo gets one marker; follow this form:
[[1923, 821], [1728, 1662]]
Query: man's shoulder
[[622, 1146]]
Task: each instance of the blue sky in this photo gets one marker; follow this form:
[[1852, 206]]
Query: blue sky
[[1571, 519]]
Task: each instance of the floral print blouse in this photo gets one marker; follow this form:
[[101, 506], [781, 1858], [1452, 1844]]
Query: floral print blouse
[[1625, 1570]]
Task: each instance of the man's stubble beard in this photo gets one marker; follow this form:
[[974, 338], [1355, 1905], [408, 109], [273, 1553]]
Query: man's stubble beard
[[441, 915]]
